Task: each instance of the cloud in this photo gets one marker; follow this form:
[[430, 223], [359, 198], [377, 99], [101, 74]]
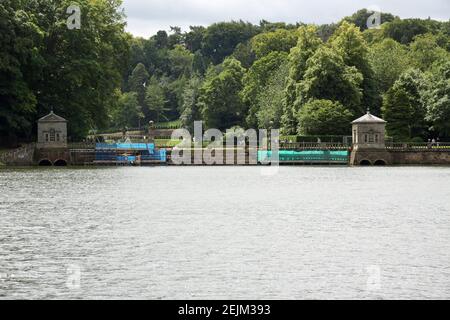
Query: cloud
[[146, 17]]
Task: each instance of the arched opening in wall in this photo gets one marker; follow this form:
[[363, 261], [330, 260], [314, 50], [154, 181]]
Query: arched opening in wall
[[45, 163], [60, 163], [365, 163], [380, 163]]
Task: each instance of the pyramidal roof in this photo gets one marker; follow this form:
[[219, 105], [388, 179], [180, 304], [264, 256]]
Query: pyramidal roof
[[52, 117], [369, 118]]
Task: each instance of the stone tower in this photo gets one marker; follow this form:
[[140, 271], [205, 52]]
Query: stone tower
[[369, 141]]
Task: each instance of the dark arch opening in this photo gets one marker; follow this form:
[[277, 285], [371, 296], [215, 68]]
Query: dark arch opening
[[45, 163], [365, 163], [60, 163], [380, 163]]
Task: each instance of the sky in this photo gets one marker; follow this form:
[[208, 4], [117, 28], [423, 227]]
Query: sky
[[146, 17]]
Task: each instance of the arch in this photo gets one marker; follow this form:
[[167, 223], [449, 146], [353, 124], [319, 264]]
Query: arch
[[380, 163], [60, 163], [365, 163], [45, 163]]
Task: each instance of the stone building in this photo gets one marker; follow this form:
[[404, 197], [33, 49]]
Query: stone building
[[52, 132], [51, 147], [369, 146]]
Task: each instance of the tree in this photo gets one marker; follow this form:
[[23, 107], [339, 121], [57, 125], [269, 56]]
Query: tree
[[155, 100], [307, 45], [388, 60], [281, 40], [194, 38], [255, 82], [348, 41], [138, 81], [20, 61], [404, 31], [437, 98], [82, 68], [403, 107], [180, 62], [191, 111], [221, 39], [328, 78], [324, 117], [270, 99], [425, 51], [244, 54], [128, 112], [219, 100]]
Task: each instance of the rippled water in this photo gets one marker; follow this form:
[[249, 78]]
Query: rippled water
[[225, 232]]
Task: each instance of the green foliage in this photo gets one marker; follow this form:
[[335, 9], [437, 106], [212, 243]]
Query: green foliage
[[219, 100], [82, 67], [227, 74], [221, 39], [270, 99], [244, 54], [307, 45], [155, 101], [281, 40], [191, 111], [404, 31], [255, 82], [388, 60], [327, 77], [437, 98], [403, 106], [425, 51], [350, 44], [137, 82], [128, 112], [180, 62], [324, 117]]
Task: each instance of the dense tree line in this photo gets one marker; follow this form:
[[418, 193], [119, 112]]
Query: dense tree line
[[304, 79]]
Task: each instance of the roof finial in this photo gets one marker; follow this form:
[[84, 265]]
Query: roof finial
[[368, 110]]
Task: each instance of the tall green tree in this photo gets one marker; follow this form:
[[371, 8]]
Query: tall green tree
[[327, 77], [137, 82], [155, 101], [348, 41], [403, 107], [307, 45], [270, 99], [437, 99], [20, 66], [191, 111], [389, 59], [128, 112], [255, 82], [83, 67], [220, 99]]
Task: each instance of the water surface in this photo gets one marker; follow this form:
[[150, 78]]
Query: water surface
[[225, 232]]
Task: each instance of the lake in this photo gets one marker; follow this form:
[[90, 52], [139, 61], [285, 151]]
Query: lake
[[225, 233]]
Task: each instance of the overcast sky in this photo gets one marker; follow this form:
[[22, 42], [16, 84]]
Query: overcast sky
[[146, 17]]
